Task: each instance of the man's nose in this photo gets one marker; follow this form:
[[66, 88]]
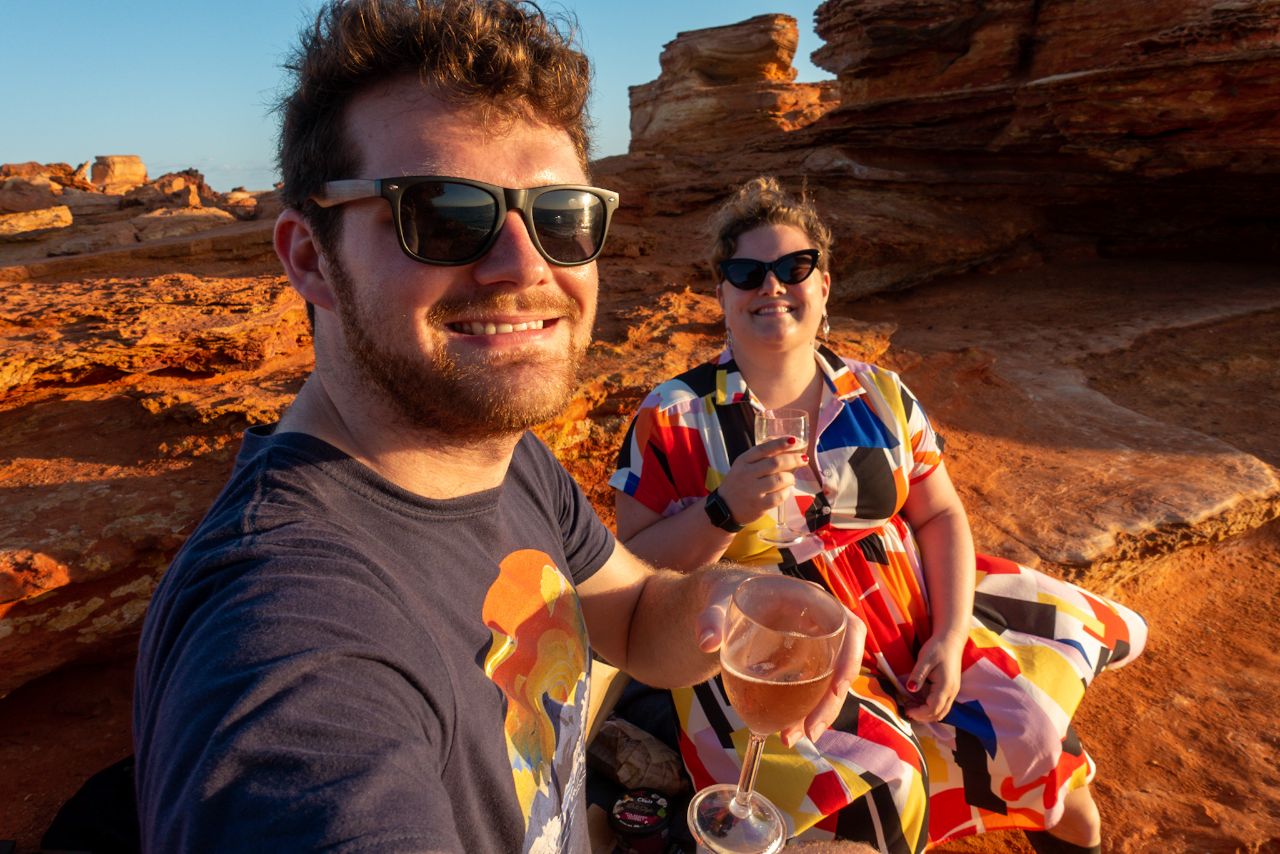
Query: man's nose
[[513, 257]]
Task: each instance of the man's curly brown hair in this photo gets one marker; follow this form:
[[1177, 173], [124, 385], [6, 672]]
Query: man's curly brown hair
[[504, 58]]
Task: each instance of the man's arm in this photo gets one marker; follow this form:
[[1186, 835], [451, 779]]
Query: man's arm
[[662, 627], [665, 628]]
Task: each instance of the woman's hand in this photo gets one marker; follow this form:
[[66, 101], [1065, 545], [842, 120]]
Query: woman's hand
[[938, 668], [759, 478]]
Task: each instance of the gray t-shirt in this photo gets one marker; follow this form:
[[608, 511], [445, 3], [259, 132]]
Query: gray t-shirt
[[334, 663]]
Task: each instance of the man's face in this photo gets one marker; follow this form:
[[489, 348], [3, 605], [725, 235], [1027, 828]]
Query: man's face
[[483, 349]]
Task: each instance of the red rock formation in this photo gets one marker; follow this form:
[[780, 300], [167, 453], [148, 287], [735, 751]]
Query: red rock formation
[[722, 85], [1138, 127]]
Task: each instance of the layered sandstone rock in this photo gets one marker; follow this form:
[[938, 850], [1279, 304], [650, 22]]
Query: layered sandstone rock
[[118, 173], [722, 85], [1134, 127]]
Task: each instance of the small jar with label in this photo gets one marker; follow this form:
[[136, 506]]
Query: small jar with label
[[641, 822]]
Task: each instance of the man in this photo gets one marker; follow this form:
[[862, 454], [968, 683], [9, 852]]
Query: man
[[377, 640]]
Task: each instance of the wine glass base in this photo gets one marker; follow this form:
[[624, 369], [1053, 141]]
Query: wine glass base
[[718, 829], [782, 537]]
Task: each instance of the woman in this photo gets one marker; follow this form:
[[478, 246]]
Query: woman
[[960, 720]]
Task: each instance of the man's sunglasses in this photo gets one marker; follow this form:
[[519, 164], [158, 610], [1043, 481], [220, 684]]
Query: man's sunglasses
[[791, 269], [452, 221]]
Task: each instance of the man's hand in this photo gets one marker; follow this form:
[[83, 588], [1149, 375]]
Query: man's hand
[[711, 626], [938, 667]]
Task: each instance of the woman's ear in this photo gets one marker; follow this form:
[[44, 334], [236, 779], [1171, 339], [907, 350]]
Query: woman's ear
[[826, 287], [303, 262]]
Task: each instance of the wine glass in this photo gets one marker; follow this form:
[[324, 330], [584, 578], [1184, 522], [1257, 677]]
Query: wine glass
[[774, 424], [781, 638]]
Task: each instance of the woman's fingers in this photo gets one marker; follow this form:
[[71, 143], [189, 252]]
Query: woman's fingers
[[935, 707]]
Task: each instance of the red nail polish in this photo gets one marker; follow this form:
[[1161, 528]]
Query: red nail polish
[[911, 686], [791, 440], [804, 458]]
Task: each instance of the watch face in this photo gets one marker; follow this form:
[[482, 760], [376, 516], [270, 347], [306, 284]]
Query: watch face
[[718, 512]]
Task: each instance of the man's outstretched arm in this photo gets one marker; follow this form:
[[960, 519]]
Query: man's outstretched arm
[[665, 628]]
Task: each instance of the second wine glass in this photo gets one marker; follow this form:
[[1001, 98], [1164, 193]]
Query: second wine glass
[[775, 424], [782, 636]]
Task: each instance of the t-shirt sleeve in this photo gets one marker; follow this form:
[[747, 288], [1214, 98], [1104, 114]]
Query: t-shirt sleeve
[[926, 443], [645, 460], [272, 718], [588, 544]]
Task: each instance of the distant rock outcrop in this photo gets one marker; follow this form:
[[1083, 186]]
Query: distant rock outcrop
[[118, 173], [51, 210]]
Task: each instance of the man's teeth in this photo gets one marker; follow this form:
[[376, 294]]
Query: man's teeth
[[476, 328]]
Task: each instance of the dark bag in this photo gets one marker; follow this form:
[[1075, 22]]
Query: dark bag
[[101, 818]]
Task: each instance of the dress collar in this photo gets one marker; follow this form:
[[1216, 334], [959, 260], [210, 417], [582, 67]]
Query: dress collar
[[838, 381]]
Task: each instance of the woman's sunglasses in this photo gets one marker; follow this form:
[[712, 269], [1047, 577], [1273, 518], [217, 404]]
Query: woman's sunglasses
[[791, 269], [453, 221]]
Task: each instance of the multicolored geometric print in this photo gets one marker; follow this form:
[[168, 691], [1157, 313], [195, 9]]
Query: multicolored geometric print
[[1006, 755]]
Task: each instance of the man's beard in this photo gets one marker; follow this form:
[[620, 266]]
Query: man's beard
[[475, 400]]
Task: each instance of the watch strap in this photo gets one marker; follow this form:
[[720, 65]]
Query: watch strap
[[719, 513]]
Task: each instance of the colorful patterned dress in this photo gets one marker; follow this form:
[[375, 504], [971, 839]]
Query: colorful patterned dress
[[1006, 754]]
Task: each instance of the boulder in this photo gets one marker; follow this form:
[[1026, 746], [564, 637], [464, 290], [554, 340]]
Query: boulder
[[93, 238], [176, 193], [84, 202], [32, 225], [118, 173], [241, 204], [19, 194], [175, 222]]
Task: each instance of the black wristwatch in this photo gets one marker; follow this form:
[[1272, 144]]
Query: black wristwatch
[[719, 514]]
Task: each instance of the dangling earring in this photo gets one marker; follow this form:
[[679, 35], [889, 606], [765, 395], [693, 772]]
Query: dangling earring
[[728, 337], [826, 327]]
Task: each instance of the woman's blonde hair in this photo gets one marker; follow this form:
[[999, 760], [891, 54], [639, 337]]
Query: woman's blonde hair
[[759, 202]]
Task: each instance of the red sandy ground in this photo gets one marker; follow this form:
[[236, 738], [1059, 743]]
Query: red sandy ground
[[1184, 738]]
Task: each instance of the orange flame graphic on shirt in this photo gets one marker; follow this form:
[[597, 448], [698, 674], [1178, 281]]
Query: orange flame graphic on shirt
[[538, 658]]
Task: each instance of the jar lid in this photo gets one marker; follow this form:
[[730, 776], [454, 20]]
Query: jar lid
[[640, 812]]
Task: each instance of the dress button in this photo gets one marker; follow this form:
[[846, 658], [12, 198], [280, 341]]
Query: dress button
[[829, 474], [826, 511]]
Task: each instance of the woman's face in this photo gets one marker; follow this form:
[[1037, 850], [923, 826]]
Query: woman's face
[[774, 317]]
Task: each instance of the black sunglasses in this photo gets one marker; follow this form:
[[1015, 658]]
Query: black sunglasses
[[453, 221], [791, 269]]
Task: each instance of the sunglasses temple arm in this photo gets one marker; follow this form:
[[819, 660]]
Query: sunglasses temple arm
[[340, 192]]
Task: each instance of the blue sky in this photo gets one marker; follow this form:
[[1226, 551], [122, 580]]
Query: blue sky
[[183, 83]]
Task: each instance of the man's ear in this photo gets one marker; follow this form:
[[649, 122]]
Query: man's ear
[[299, 253]]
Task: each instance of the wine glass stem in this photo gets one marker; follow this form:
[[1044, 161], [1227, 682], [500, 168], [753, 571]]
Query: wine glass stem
[[780, 512], [747, 779]]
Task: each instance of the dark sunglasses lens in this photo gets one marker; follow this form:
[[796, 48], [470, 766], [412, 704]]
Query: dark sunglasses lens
[[443, 221], [570, 224], [743, 273], [793, 269]]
